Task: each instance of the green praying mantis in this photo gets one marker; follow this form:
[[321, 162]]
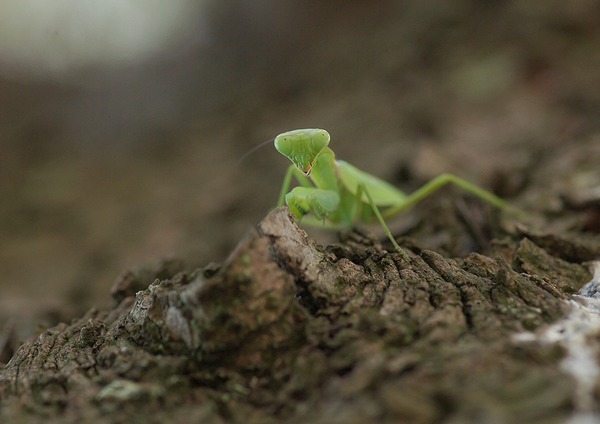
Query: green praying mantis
[[332, 193]]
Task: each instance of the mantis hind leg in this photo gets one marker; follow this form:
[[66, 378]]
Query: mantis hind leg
[[439, 182]]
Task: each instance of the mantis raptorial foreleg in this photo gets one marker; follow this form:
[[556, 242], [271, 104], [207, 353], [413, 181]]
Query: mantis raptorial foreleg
[[287, 182], [322, 203]]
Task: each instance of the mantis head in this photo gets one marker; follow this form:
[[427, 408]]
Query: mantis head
[[302, 147]]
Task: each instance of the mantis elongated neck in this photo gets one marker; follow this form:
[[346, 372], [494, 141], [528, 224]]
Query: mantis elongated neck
[[324, 171]]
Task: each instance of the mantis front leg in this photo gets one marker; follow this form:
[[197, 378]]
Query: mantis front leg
[[321, 203], [287, 182]]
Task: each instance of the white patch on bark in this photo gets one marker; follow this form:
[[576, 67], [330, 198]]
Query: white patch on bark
[[578, 333]]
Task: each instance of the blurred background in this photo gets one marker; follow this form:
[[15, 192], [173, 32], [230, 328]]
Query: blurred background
[[122, 123]]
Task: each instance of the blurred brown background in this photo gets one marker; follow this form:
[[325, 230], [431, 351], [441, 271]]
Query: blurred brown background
[[120, 136]]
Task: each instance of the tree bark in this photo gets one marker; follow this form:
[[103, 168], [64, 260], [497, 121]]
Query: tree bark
[[288, 331]]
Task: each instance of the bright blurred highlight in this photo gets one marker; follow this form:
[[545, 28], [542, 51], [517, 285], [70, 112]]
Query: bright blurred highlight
[[45, 38]]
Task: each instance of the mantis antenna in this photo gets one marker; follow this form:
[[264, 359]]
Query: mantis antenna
[[254, 149]]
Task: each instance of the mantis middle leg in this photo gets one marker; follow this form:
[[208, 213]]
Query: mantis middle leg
[[362, 189]]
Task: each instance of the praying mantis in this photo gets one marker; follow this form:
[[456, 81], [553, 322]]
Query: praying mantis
[[332, 193]]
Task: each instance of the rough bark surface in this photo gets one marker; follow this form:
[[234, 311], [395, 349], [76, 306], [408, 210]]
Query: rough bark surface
[[288, 331]]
